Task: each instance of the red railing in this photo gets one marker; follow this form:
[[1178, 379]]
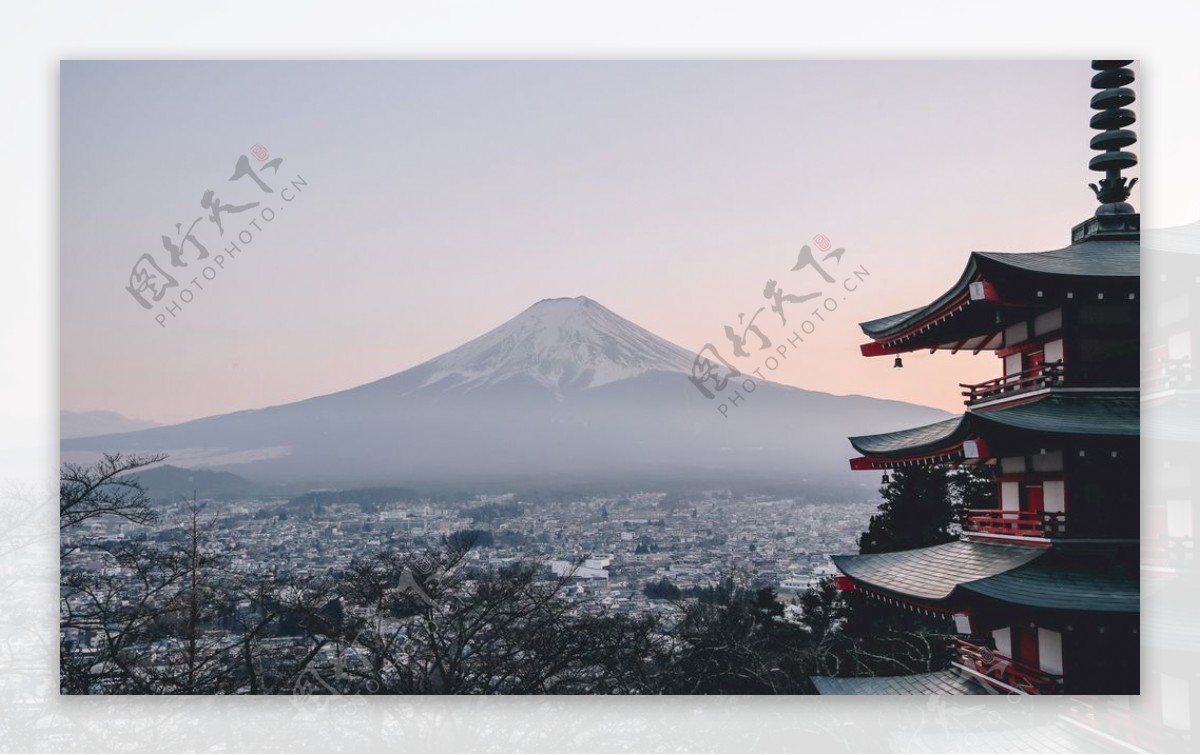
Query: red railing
[[1042, 376], [1013, 674], [1009, 522]]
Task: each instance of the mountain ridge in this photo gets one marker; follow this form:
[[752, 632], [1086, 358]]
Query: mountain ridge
[[82, 424], [565, 390]]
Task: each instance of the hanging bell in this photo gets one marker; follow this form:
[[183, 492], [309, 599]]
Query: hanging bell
[[885, 479], [898, 363]]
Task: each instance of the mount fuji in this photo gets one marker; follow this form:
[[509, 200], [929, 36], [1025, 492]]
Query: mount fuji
[[563, 345], [566, 393]]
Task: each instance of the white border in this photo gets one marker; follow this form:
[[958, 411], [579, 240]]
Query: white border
[[34, 36]]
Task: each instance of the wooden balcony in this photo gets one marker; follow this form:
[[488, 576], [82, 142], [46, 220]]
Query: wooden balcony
[[1045, 524], [1043, 376], [1010, 675]]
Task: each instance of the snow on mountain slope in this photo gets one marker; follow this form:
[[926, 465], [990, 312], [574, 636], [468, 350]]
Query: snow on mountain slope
[[561, 344]]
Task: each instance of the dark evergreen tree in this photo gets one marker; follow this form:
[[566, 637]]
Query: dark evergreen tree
[[918, 510], [853, 635], [973, 488], [663, 589]]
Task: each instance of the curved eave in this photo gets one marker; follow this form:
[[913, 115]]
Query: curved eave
[[930, 575], [1094, 258], [919, 444], [934, 338], [893, 326], [1058, 414], [963, 317]]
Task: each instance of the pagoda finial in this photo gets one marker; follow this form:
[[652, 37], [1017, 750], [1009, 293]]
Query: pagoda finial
[[1112, 79]]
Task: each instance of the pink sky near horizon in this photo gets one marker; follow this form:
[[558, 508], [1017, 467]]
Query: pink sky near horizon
[[445, 198]]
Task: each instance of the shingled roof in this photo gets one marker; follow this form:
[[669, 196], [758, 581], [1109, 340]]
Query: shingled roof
[[913, 441], [1097, 414], [1108, 414], [1067, 580], [1056, 579], [1092, 258], [1105, 258], [933, 573]]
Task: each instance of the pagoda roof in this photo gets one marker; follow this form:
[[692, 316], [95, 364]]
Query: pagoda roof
[[1095, 414], [1104, 414], [1107, 258], [1067, 580], [933, 573], [1054, 579], [936, 683], [964, 317], [915, 441]]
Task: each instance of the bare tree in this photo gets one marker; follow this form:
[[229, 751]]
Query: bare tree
[[739, 644], [105, 488], [119, 608], [423, 623], [176, 617], [151, 619]]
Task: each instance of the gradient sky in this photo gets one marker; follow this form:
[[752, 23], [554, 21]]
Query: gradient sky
[[446, 197]]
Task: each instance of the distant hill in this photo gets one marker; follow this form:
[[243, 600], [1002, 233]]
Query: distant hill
[[85, 424], [172, 483]]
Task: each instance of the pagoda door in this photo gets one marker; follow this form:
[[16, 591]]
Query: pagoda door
[[1035, 498], [1026, 654], [1025, 646], [1035, 504]]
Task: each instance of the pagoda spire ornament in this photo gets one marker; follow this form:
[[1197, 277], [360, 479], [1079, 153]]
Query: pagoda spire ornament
[[1113, 78]]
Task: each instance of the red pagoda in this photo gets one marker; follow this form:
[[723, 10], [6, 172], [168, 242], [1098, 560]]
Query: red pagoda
[[1043, 590]]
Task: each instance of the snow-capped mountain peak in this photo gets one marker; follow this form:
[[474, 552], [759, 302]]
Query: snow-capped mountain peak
[[519, 405], [560, 344]]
